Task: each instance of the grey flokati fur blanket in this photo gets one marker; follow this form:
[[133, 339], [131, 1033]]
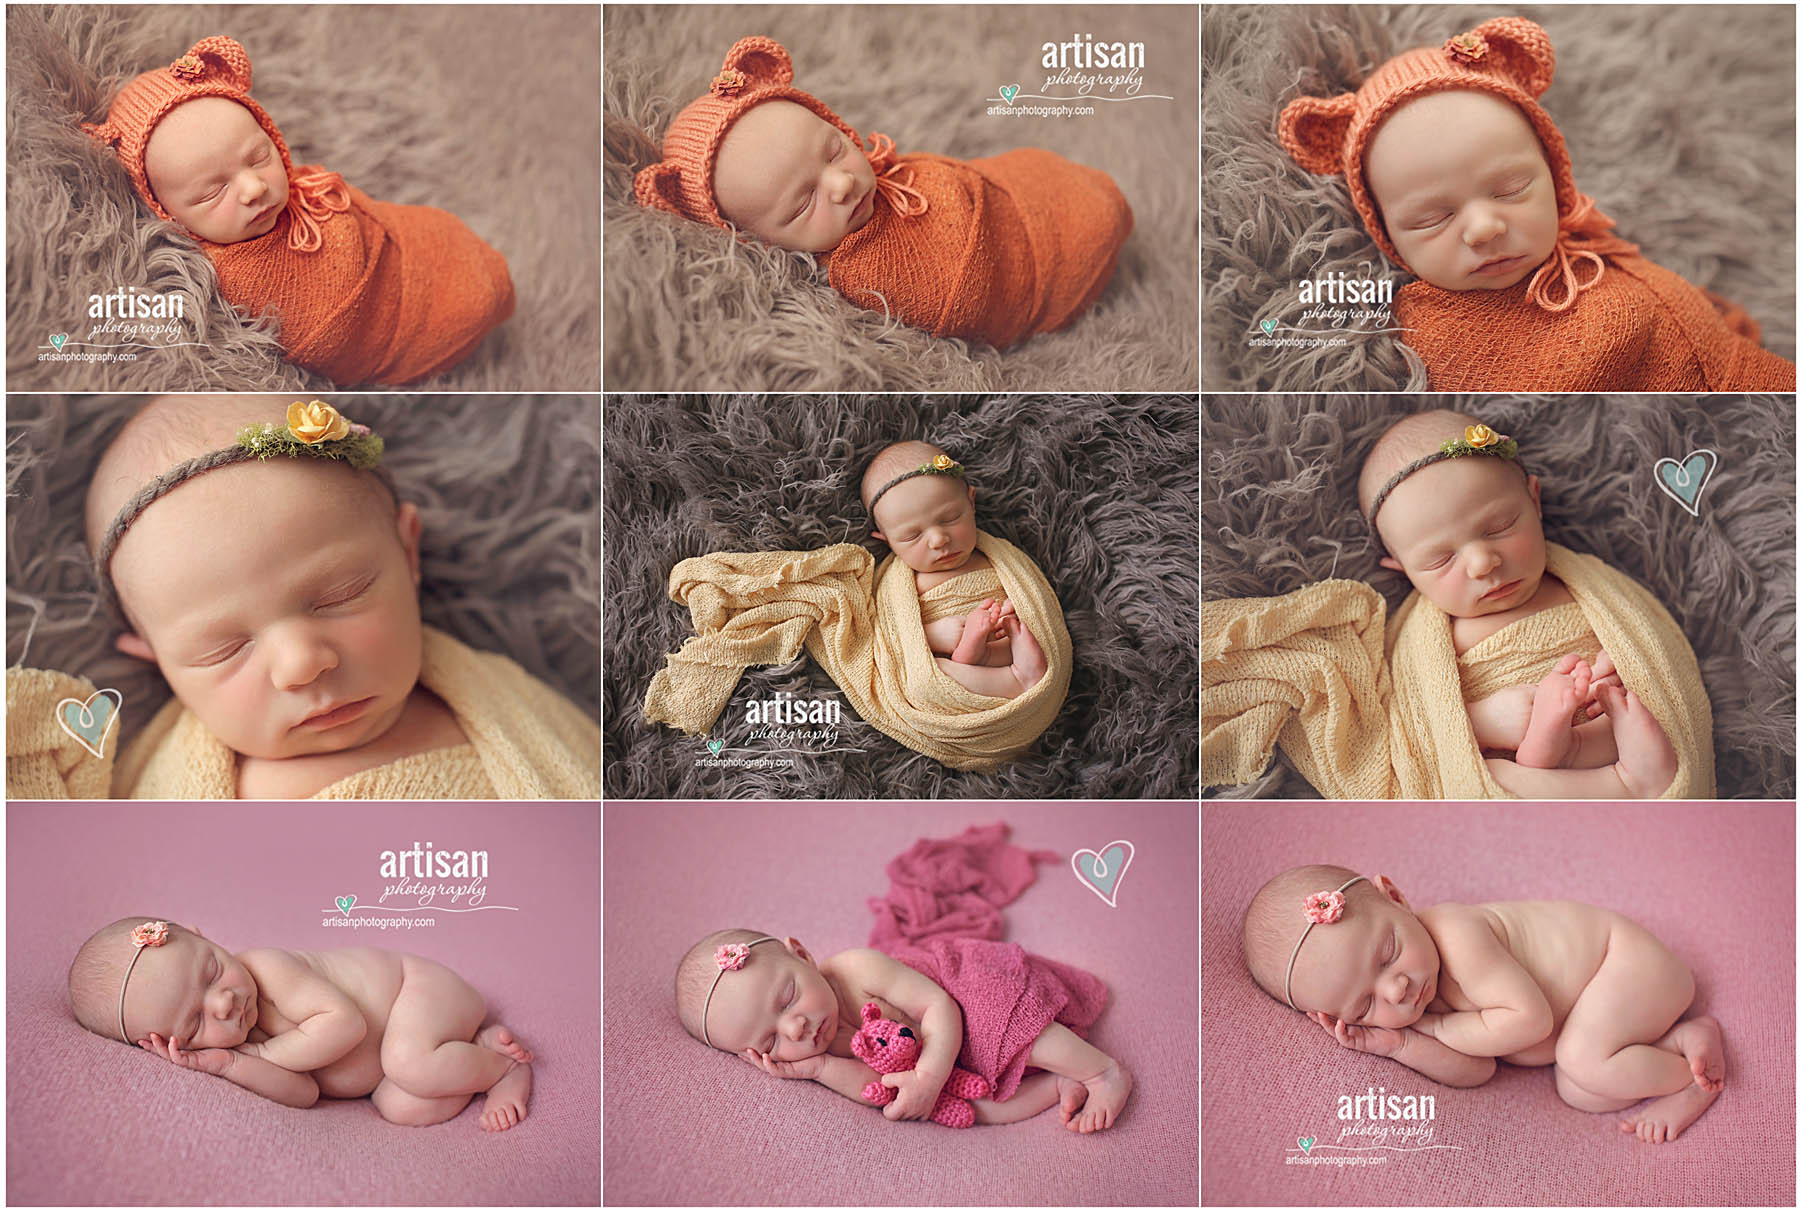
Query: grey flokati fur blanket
[[1279, 512], [1098, 490], [1679, 122], [508, 488], [690, 308], [379, 94]]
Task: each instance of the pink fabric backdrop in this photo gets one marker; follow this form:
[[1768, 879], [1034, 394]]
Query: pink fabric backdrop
[[689, 1126], [1715, 882], [92, 1121]]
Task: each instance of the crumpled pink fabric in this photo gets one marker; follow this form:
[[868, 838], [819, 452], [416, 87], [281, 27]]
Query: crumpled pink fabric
[[941, 917]]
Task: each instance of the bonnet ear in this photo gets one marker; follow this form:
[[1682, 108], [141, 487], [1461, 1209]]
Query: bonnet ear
[[659, 187], [871, 1012], [1313, 130], [1520, 50], [764, 61], [215, 58]]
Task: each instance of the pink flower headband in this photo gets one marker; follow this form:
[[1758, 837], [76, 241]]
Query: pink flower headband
[[729, 958], [1322, 908], [150, 933]]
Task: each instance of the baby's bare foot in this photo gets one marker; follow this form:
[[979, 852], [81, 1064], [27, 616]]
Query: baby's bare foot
[[1647, 760], [1071, 1093], [1664, 1119], [1028, 662], [499, 1038], [506, 1100], [1106, 1097], [1703, 1047], [1550, 736], [972, 647]]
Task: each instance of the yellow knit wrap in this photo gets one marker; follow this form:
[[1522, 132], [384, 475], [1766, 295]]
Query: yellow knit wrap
[[1367, 711], [864, 625]]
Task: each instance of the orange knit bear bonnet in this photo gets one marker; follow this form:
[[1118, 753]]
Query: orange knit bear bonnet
[[216, 66], [1509, 57]]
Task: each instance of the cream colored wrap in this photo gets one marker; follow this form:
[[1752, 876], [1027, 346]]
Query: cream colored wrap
[[1368, 711], [864, 625]]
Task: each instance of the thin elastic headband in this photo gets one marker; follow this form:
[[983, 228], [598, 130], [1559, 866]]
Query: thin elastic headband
[[1476, 439], [1320, 910], [729, 958], [150, 933], [943, 464]]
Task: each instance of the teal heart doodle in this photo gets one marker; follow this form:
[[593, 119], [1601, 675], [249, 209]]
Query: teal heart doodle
[[344, 904], [57, 339], [1268, 327], [715, 746], [1101, 872], [1685, 480], [1306, 1143], [1009, 91], [88, 722]]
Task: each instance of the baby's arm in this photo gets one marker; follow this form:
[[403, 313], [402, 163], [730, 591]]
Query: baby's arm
[[242, 1069], [939, 1018], [327, 1022], [1422, 1053], [1516, 1013]]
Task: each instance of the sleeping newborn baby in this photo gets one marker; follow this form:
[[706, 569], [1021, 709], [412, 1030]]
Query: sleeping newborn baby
[[366, 291], [916, 492], [996, 249], [272, 574], [1462, 521], [1447, 989], [771, 1004], [295, 1025]]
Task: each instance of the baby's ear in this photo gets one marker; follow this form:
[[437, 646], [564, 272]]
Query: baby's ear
[[1392, 891], [1520, 50], [132, 644], [216, 58], [1393, 565], [764, 61], [1313, 129], [659, 187]]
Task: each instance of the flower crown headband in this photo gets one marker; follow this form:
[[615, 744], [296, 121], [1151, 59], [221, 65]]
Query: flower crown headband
[[1476, 439], [729, 958], [315, 429], [943, 464], [150, 933], [1322, 908]]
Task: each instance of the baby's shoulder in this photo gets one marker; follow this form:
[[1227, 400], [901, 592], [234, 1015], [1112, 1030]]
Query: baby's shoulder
[[1453, 924]]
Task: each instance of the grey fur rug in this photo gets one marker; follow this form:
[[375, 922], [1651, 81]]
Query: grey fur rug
[[1679, 121], [383, 95], [510, 557], [1099, 490], [690, 309], [1280, 513]]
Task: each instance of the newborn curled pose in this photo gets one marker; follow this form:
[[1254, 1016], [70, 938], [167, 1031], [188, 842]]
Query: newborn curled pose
[[996, 249], [917, 494], [1464, 181], [366, 291], [271, 572], [1447, 989], [770, 1003], [295, 1025]]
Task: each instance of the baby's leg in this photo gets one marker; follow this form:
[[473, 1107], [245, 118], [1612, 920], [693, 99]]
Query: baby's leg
[[426, 1049], [1035, 1094], [400, 1107], [1028, 661], [1550, 735], [1647, 761], [972, 644], [1062, 1051], [943, 635]]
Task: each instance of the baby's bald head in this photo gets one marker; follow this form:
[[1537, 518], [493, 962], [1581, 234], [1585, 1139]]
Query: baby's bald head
[[892, 461], [1406, 439], [1275, 919]]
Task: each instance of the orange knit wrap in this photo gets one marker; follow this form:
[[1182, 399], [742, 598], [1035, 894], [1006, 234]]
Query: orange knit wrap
[[998, 249]]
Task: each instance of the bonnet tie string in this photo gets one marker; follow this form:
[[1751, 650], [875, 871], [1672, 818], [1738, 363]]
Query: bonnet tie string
[[897, 189], [1585, 234], [312, 199]]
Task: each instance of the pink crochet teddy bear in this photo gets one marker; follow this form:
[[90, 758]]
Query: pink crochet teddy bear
[[887, 1046]]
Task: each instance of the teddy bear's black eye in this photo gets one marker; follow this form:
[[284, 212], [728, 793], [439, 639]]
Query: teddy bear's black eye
[[906, 1032], [881, 1042]]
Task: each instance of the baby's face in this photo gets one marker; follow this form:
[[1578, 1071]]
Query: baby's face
[[792, 179], [1464, 190], [929, 522], [280, 601], [778, 1003], [215, 169], [1377, 966], [192, 991], [1468, 532]]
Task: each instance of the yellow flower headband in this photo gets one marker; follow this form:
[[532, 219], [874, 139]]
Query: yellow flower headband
[[943, 464], [1476, 439]]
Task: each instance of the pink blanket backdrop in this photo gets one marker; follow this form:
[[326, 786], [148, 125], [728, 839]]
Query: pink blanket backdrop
[[1715, 882], [92, 1121], [688, 1126]]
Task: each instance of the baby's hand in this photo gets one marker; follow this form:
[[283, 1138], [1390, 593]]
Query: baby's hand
[[208, 1059], [916, 1097], [787, 1070], [1374, 1040]]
